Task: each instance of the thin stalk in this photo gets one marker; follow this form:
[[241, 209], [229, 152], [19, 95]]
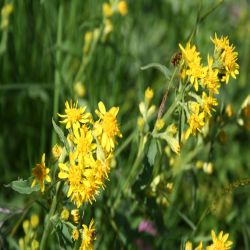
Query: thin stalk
[[48, 223], [57, 70]]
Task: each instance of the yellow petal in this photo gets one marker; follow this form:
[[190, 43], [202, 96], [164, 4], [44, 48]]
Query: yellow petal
[[48, 179], [102, 107], [63, 175]]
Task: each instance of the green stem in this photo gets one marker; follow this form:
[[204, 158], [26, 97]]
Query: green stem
[[57, 70], [48, 223]]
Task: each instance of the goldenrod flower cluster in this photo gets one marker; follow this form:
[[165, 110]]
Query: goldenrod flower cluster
[[91, 147], [206, 79], [220, 242], [29, 241]]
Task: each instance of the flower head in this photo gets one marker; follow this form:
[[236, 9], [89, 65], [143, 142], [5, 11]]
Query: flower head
[[40, 173], [75, 234], [221, 242], [123, 8], [74, 115], [88, 236], [107, 127], [208, 102]]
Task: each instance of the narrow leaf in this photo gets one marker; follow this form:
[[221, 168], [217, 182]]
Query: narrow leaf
[[61, 135], [164, 70], [152, 151]]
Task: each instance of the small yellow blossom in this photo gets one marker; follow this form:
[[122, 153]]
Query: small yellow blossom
[[221, 242], [75, 215], [229, 110], [65, 214], [107, 10], [40, 173], [57, 151], [79, 89], [74, 115], [211, 80], [159, 124], [34, 220], [88, 36], [228, 58], [108, 27], [208, 102], [107, 127], [75, 234], [140, 122], [34, 245], [149, 94], [88, 236], [26, 226], [123, 8], [5, 12], [188, 245], [195, 121]]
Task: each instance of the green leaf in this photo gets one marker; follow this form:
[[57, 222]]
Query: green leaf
[[23, 186], [164, 70], [152, 151], [61, 135]]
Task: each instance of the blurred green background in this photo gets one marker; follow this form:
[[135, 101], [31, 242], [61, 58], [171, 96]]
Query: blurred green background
[[37, 53]]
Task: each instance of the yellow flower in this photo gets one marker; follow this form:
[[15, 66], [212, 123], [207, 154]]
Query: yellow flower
[[88, 236], [74, 115], [34, 245], [123, 8], [34, 220], [159, 124], [79, 89], [40, 173], [228, 57], [194, 68], [208, 102], [188, 245], [57, 151], [107, 10], [195, 121], [149, 94], [190, 54], [199, 247], [211, 80], [75, 234], [6, 11], [76, 216], [107, 127], [220, 243], [83, 140], [65, 214]]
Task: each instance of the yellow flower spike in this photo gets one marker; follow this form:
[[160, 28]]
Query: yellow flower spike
[[88, 236], [65, 214], [123, 8], [221, 242], [107, 10], [34, 220], [74, 116], [75, 234], [149, 94], [40, 173]]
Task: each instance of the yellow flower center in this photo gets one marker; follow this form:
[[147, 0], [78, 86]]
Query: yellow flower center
[[73, 114]]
